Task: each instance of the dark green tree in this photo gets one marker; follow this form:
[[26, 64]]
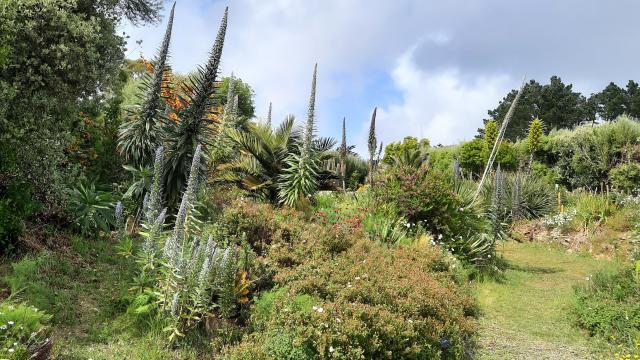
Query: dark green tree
[[611, 102], [245, 94]]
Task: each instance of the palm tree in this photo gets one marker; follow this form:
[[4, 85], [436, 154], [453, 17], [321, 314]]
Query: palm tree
[[261, 158]]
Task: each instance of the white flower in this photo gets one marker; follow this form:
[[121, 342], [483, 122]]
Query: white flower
[[11, 350], [10, 322], [320, 310], [440, 237], [331, 349], [357, 277]]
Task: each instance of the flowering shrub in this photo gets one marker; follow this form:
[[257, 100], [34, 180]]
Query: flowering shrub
[[371, 302], [560, 221], [607, 306], [23, 330]]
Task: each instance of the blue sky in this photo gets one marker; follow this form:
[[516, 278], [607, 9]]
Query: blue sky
[[432, 68]]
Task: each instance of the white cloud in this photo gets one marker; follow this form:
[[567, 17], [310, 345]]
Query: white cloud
[[437, 105]]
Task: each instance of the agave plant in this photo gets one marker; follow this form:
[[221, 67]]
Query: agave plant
[[141, 132], [195, 127], [91, 209]]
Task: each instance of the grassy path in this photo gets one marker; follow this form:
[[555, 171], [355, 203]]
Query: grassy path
[[528, 314]]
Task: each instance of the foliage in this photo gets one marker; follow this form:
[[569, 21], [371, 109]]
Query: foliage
[[91, 209], [429, 199], [473, 155], [408, 152], [385, 229], [332, 309], [245, 93], [299, 179], [141, 133], [193, 127], [64, 57], [23, 329], [625, 177], [607, 306], [593, 209], [556, 103], [16, 205]]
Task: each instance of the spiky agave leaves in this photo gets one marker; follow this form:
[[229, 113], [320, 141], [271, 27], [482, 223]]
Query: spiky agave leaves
[[300, 178], [194, 127], [142, 132], [372, 143]]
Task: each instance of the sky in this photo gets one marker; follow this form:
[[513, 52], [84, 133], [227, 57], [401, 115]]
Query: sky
[[432, 68]]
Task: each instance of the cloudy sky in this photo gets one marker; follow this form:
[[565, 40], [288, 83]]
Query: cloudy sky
[[433, 68]]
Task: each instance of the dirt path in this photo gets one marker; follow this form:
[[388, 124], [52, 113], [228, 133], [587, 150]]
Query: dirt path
[[528, 315]]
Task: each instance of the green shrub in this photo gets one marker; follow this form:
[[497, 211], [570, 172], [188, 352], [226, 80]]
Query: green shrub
[[372, 302], [625, 177], [607, 306], [23, 330], [16, 204], [593, 209]]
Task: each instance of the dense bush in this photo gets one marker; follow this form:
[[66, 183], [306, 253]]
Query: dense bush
[[373, 302], [16, 204], [428, 198], [625, 177], [607, 306]]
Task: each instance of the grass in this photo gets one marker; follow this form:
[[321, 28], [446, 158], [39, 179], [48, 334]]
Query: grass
[[85, 288], [528, 314]]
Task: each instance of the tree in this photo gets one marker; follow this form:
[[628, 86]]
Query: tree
[[632, 99], [409, 152], [557, 103], [611, 102], [490, 134], [245, 94], [473, 155], [534, 138], [57, 59]]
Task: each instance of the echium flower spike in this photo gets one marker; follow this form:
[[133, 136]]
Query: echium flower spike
[[119, 220], [152, 239], [155, 200], [205, 87], [515, 198], [235, 109], [343, 155], [194, 175], [228, 107], [144, 131], [269, 116], [373, 143], [308, 139]]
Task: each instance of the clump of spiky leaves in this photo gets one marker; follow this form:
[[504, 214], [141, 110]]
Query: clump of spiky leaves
[[194, 126], [141, 133], [299, 180], [372, 143]]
